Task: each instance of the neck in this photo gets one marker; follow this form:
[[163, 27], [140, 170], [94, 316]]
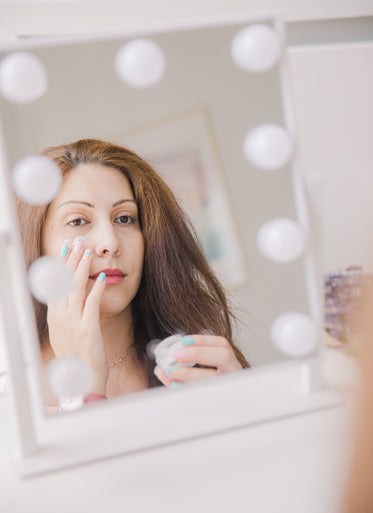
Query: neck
[[118, 334], [126, 376]]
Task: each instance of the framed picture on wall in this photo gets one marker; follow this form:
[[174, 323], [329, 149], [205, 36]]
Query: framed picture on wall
[[183, 151]]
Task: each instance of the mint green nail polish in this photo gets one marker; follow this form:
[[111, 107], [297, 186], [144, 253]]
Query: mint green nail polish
[[101, 277], [64, 249], [175, 384], [187, 341]]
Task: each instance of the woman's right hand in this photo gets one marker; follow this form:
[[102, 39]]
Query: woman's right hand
[[74, 322]]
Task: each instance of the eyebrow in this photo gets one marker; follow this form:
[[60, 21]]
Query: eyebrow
[[92, 206]]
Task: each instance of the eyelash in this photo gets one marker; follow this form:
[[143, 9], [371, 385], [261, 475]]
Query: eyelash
[[131, 218]]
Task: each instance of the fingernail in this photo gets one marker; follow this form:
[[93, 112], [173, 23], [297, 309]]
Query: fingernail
[[175, 384], [87, 255], [101, 277], [181, 354], [78, 246], [65, 248], [156, 369], [174, 369], [78, 237], [187, 341]]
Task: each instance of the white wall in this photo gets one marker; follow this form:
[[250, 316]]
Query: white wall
[[52, 17], [333, 94]]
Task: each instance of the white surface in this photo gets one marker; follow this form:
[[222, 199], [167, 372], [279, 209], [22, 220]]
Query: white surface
[[120, 426], [293, 466]]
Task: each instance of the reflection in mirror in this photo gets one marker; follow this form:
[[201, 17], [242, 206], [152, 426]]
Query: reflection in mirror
[[195, 124]]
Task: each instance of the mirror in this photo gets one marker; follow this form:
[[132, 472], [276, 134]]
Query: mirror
[[191, 126]]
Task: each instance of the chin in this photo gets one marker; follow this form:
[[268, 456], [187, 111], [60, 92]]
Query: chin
[[113, 306]]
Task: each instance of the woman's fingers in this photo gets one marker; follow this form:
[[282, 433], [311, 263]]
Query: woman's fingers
[[210, 351], [93, 301], [71, 254], [79, 260], [74, 252], [178, 374], [162, 376], [78, 295], [181, 373], [215, 353]]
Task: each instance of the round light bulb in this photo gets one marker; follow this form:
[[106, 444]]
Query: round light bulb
[[69, 377], [140, 63], [23, 78], [256, 48], [268, 146], [37, 179], [281, 240], [50, 279], [294, 334]]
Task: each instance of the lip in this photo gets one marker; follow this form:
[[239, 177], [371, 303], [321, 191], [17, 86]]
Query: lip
[[113, 276]]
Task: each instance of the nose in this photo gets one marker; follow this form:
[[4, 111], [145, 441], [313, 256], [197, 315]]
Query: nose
[[106, 240]]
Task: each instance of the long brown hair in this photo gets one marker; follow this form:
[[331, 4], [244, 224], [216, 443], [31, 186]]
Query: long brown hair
[[178, 290]]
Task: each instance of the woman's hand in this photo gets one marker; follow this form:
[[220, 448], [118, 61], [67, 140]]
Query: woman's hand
[[208, 350], [74, 322]]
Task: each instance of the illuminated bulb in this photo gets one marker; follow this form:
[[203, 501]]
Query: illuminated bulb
[[140, 63], [268, 146], [37, 179], [50, 279], [256, 48], [23, 78], [281, 240], [69, 377], [294, 334]]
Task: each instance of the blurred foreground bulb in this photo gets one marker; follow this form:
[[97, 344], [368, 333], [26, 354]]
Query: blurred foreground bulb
[[69, 377], [294, 334], [140, 63], [256, 48], [50, 279], [23, 78], [37, 179], [281, 240], [268, 146]]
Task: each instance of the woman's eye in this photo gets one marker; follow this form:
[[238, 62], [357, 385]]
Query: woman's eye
[[125, 220], [77, 222]]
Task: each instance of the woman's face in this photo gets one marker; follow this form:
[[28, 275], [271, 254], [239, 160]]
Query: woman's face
[[96, 202]]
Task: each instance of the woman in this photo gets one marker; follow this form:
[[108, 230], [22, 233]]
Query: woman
[[139, 273]]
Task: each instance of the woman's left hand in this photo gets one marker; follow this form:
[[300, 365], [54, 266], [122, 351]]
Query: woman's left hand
[[209, 350]]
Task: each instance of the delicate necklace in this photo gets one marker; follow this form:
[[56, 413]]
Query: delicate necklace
[[123, 357]]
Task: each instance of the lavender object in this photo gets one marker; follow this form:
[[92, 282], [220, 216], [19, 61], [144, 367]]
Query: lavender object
[[344, 292]]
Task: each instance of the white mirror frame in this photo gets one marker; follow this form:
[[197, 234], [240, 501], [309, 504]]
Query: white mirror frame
[[157, 416]]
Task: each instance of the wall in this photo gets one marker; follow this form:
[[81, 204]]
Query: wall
[[52, 17], [332, 87]]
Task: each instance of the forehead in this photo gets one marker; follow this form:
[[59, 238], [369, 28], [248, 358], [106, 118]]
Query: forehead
[[96, 180]]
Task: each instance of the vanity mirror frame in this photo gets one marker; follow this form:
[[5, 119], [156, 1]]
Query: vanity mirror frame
[[157, 416]]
